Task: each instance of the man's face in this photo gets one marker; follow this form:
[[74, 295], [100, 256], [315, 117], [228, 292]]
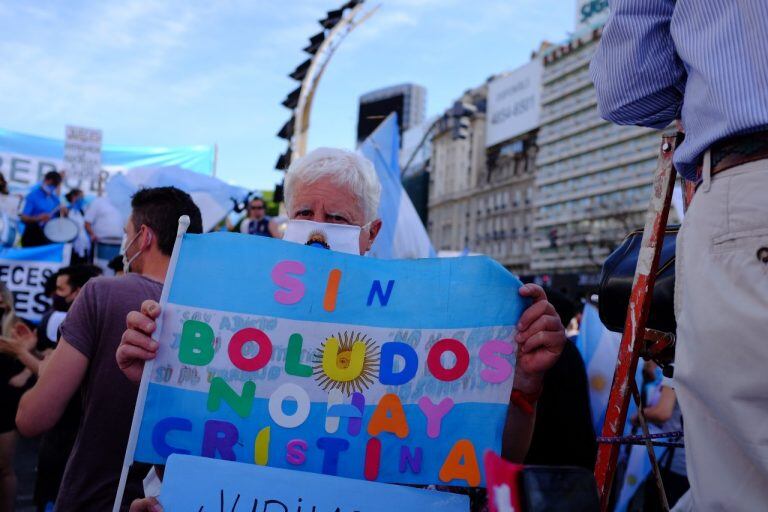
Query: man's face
[[256, 209], [63, 288], [325, 201]]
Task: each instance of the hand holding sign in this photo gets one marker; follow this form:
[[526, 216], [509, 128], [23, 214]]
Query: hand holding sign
[[540, 338], [283, 355], [137, 344]]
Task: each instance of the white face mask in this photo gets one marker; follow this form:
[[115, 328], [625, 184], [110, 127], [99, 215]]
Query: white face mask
[[336, 237], [126, 260]]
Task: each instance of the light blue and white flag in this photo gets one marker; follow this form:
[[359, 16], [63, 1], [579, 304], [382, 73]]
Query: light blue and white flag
[[600, 349], [212, 195], [301, 358], [590, 332], [24, 159], [402, 233], [638, 470], [24, 272]]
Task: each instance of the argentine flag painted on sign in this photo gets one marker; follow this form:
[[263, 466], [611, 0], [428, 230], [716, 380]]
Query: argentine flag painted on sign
[[402, 233], [291, 356]]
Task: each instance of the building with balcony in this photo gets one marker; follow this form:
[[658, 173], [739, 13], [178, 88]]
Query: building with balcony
[[454, 169], [480, 197], [593, 179]]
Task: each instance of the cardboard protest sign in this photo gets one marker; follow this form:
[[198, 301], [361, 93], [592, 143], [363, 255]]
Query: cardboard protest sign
[[209, 485], [295, 357], [24, 272], [82, 153]]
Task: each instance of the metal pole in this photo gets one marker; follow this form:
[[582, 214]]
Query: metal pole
[[215, 158]]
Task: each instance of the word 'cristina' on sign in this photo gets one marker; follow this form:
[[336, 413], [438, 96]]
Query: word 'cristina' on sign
[[341, 368]]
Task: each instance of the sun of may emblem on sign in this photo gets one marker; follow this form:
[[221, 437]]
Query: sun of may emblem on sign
[[348, 362]]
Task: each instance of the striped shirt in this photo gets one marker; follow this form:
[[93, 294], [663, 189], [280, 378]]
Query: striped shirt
[[702, 61]]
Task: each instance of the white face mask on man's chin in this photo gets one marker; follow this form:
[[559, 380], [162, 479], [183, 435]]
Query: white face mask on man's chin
[[336, 237]]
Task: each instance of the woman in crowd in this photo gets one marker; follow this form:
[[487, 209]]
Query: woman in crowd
[[14, 380]]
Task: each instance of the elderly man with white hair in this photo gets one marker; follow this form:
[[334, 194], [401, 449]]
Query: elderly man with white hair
[[333, 186], [339, 190]]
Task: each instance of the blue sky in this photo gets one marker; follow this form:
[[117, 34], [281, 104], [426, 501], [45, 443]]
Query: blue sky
[[180, 72]]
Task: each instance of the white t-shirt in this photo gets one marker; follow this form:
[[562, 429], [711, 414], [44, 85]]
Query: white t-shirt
[[104, 218]]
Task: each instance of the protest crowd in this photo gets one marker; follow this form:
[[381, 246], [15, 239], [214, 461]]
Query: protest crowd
[[82, 351]]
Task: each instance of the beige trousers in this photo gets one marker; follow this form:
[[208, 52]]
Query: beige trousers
[[721, 368]]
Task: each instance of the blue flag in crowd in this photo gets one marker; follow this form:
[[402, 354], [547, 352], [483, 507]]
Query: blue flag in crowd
[[212, 195], [599, 348], [402, 234]]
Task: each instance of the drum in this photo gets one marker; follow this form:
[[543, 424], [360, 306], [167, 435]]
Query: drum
[[104, 251], [7, 230], [61, 230]]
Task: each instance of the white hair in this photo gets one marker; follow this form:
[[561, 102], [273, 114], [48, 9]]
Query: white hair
[[345, 168]]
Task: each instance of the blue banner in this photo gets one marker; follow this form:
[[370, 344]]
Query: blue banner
[[295, 357], [24, 159]]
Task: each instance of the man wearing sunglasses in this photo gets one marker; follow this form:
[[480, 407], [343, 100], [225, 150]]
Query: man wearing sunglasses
[[257, 222]]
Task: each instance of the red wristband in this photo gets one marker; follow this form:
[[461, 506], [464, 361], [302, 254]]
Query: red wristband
[[526, 402]]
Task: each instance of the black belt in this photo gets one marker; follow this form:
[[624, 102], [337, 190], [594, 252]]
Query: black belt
[[737, 150]]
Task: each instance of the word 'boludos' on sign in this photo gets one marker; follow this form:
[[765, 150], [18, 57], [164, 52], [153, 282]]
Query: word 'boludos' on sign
[[200, 484], [296, 357], [82, 153]]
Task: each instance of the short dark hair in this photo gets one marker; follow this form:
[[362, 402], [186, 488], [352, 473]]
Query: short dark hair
[[78, 275], [49, 285], [160, 208], [72, 193], [116, 264], [54, 177]]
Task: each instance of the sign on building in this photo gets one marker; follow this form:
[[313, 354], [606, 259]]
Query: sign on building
[[590, 13], [82, 153], [514, 103]]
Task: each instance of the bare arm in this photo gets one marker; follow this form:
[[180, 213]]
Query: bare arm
[[30, 360], [42, 406], [540, 339], [21, 345], [29, 219], [662, 411], [89, 229]]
